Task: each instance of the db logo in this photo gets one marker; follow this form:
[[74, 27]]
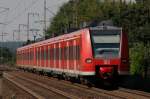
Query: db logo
[[106, 61]]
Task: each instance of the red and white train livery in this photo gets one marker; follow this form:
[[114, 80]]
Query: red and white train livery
[[100, 51]]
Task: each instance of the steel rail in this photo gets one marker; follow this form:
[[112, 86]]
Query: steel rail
[[141, 93], [9, 78], [83, 87], [49, 88]]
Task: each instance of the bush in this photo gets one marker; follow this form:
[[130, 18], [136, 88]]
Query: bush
[[137, 54]]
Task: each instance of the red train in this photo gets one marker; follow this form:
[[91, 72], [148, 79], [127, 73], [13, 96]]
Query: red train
[[95, 52]]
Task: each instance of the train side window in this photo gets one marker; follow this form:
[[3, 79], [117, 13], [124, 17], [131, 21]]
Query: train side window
[[45, 53], [54, 53], [60, 53], [25, 55], [32, 54], [39, 53], [74, 52], [57, 53], [65, 53], [53, 56], [70, 52], [48, 53], [29, 54], [42, 53], [78, 52], [36, 54]]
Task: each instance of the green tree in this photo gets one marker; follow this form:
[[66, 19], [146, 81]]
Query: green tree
[[137, 54], [5, 55]]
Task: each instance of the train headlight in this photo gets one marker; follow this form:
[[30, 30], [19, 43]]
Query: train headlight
[[88, 60]]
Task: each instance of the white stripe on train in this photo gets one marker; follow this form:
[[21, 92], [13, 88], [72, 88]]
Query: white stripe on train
[[61, 70]]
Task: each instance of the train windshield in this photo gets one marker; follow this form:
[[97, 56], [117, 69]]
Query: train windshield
[[106, 43]]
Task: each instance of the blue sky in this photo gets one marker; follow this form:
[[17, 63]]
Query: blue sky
[[17, 14]]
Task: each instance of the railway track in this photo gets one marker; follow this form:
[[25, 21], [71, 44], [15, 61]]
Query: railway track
[[141, 93], [79, 90], [38, 90]]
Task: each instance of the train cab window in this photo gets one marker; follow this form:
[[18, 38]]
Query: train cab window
[[105, 43]]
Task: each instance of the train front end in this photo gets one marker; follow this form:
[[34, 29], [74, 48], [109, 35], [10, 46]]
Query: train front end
[[110, 52]]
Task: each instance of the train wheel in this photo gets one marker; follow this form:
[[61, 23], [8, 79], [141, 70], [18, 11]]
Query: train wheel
[[85, 81], [72, 80], [49, 74], [34, 70], [60, 77]]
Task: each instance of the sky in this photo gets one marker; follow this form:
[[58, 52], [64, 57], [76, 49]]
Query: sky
[[17, 14]]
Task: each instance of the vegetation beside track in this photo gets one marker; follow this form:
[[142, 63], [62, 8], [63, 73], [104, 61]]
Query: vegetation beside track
[[6, 57]]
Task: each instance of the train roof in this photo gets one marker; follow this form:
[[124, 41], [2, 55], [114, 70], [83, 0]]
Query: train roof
[[65, 36], [55, 39]]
